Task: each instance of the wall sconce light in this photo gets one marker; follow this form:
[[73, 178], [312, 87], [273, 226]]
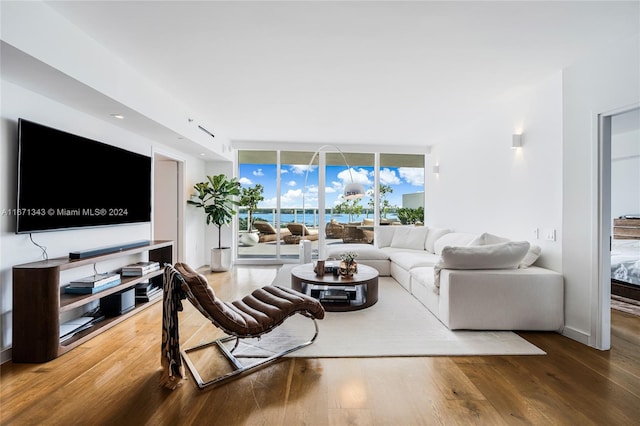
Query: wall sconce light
[[516, 141], [436, 169]]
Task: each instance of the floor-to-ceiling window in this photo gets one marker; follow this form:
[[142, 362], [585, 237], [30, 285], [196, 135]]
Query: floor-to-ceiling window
[[306, 188]]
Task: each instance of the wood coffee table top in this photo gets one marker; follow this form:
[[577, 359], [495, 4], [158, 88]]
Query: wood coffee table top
[[361, 289]]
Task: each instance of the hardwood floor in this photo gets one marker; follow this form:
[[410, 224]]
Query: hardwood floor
[[113, 380]]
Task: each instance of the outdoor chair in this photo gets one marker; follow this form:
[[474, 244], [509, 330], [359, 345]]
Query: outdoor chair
[[300, 232], [267, 232], [253, 316]]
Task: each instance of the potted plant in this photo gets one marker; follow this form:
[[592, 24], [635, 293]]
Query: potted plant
[[216, 197], [249, 198], [348, 266]]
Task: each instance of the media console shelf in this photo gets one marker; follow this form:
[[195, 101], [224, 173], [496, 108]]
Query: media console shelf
[[38, 301]]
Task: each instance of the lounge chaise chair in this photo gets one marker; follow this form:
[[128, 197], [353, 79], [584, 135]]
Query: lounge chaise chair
[[251, 317], [300, 232], [267, 232]]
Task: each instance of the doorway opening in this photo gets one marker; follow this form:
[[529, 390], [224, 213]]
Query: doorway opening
[[619, 134], [168, 210]]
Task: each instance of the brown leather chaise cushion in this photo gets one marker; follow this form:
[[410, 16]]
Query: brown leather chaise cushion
[[254, 314]]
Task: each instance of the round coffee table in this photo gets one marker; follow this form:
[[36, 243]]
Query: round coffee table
[[338, 294]]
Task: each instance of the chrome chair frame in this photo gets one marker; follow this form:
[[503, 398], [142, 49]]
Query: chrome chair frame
[[239, 368]]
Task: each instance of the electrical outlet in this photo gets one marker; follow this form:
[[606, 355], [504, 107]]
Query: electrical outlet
[[534, 234]]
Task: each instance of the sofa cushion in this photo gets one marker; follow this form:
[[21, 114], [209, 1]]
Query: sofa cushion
[[433, 235], [454, 239], [530, 258], [409, 259], [486, 238], [492, 256], [409, 237], [365, 251], [382, 235]]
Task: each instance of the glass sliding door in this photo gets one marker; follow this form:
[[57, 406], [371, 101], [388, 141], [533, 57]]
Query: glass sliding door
[[299, 181], [401, 188], [347, 219], [258, 174]]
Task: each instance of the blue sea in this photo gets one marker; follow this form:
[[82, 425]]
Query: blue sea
[[310, 219]]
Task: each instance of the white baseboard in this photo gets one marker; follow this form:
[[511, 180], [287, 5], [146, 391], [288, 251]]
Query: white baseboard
[[576, 335], [5, 356]]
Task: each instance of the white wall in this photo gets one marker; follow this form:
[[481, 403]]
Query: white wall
[[604, 82], [485, 186]]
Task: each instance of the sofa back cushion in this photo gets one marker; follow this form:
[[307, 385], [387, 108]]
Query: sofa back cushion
[[433, 236], [492, 256], [409, 237], [454, 239], [383, 235], [530, 258]]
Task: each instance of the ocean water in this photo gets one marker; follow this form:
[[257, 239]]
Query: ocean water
[[309, 218]]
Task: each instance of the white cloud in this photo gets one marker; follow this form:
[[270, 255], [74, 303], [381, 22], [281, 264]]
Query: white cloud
[[388, 177], [283, 171], [258, 172], [413, 175], [301, 169], [359, 176], [245, 181], [291, 198], [292, 183]]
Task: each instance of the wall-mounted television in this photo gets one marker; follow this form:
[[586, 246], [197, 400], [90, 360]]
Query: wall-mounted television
[[67, 181]]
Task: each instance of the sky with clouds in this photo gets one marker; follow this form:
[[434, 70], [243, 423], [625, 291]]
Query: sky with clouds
[[404, 180]]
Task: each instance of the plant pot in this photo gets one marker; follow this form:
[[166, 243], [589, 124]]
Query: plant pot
[[249, 238], [347, 270], [220, 259]]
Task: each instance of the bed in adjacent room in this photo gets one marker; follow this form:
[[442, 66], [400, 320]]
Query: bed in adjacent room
[[625, 257]]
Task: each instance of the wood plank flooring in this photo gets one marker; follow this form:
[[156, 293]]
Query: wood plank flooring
[[113, 380]]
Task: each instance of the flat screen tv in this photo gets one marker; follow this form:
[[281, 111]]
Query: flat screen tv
[[67, 181]]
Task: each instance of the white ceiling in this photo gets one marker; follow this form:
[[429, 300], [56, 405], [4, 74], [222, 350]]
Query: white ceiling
[[368, 72]]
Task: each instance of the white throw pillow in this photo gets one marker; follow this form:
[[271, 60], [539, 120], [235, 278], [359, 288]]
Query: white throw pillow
[[455, 239], [409, 237], [382, 235], [530, 258], [486, 238], [492, 256], [433, 236]]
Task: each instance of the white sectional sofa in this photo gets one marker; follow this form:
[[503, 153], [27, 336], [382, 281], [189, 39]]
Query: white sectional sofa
[[469, 281]]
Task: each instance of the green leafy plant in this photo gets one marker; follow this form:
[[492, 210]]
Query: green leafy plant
[[216, 197], [350, 207], [348, 256], [385, 205], [409, 216], [249, 198]]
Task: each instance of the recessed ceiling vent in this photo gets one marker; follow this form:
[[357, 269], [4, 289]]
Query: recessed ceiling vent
[[206, 131]]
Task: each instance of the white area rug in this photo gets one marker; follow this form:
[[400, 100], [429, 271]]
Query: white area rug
[[397, 325]]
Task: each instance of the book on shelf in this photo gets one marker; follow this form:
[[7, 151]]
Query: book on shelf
[[140, 268], [90, 290], [96, 280], [76, 325], [144, 286], [149, 295]]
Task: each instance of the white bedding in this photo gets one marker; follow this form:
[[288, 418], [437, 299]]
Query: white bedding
[[625, 261]]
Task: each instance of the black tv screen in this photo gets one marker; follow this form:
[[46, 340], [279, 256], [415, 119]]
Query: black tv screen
[[66, 181]]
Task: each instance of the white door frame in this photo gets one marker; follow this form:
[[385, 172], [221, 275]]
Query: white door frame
[[601, 311]]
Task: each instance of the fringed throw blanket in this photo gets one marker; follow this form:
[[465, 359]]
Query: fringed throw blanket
[[172, 368]]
